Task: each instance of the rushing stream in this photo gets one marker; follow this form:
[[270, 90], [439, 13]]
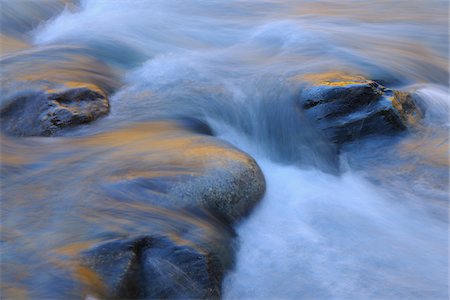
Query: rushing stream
[[370, 222]]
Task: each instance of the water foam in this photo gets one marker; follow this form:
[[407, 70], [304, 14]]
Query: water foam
[[317, 236]]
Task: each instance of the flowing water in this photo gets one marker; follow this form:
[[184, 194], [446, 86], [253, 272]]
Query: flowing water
[[371, 223]]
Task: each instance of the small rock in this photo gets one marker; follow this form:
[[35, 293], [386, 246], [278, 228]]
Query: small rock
[[46, 89], [45, 113]]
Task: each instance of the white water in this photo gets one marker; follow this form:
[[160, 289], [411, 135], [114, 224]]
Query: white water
[[436, 100], [319, 236], [314, 235]]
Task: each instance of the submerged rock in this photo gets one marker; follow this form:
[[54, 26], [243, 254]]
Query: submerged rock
[[47, 112], [346, 107], [139, 212]]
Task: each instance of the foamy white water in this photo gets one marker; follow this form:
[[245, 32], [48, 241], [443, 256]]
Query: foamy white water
[[316, 236], [320, 236], [436, 101]]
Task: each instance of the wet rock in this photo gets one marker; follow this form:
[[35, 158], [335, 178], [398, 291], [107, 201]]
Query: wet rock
[[154, 267], [138, 212], [170, 166], [46, 113], [47, 89], [346, 108]]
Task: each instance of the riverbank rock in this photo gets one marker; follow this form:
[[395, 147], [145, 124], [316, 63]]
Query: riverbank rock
[[347, 107], [138, 212]]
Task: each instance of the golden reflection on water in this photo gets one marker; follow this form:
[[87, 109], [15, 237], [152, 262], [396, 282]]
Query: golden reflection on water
[[53, 68], [332, 78], [9, 44], [429, 148], [165, 141], [93, 285], [378, 11]]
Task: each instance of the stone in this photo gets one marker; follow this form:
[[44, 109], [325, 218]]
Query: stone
[[154, 267], [48, 89], [44, 114], [346, 108]]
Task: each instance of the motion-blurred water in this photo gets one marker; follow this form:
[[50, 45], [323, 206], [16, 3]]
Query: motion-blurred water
[[379, 230]]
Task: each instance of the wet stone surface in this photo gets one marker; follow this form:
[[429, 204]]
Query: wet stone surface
[[44, 114], [150, 267], [346, 109]]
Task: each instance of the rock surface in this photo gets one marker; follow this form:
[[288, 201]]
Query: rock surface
[[49, 89], [46, 113], [346, 108], [154, 267], [139, 212]]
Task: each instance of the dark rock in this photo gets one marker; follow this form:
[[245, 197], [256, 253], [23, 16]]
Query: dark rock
[[46, 89], [154, 267], [48, 112], [348, 108]]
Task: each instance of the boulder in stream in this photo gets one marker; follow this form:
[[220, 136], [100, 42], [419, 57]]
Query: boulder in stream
[[154, 267], [49, 89], [45, 113], [347, 107]]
